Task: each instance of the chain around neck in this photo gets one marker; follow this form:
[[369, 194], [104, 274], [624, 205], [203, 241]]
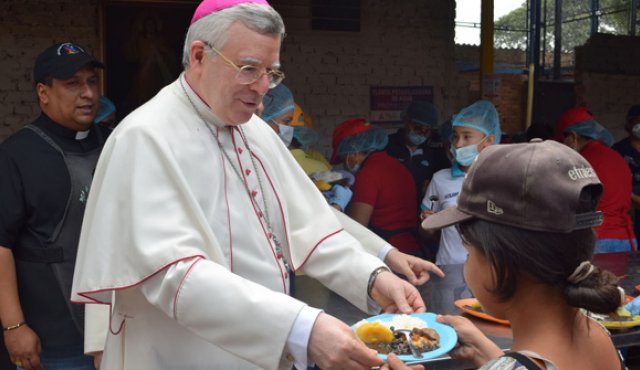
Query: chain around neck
[[264, 211]]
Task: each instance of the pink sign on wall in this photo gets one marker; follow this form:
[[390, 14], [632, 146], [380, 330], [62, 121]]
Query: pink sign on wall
[[387, 102]]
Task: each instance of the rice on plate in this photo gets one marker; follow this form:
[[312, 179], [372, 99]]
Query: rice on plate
[[399, 322]]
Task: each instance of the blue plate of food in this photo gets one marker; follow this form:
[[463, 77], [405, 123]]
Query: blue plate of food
[[391, 333]]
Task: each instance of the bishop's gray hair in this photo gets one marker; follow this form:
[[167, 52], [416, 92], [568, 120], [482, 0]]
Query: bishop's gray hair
[[213, 28]]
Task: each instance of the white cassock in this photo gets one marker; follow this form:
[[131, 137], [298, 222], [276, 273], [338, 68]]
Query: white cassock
[[179, 231]]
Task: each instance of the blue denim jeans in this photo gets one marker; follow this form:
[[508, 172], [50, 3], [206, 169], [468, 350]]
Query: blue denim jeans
[[67, 359], [614, 245]]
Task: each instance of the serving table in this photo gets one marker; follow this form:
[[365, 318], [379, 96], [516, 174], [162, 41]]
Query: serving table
[[440, 294]]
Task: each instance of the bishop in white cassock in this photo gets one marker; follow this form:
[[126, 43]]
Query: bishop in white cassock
[[198, 213]]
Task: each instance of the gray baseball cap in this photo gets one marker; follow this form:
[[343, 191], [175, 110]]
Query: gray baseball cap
[[533, 186]]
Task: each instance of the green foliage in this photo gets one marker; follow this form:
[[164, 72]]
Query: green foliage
[[511, 30]]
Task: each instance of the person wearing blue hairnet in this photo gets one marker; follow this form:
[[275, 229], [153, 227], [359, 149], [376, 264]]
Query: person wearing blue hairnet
[[106, 115], [417, 145], [278, 111], [578, 128], [384, 197], [474, 128], [278, 108]]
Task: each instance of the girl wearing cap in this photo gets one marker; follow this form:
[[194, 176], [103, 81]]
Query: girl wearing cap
[[529, 252], [475, 128]]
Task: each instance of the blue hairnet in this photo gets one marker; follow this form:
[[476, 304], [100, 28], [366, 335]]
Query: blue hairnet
[[482, 116], [305, 136], [592, 129], [277, 101], [421, 112], [374, 138], [105, 108]]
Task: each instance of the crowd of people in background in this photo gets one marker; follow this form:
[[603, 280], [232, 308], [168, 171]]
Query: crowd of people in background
[[425, 146], [436, 155]]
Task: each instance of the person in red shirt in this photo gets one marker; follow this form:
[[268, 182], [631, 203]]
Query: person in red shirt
[[384, 193], [578, 129]]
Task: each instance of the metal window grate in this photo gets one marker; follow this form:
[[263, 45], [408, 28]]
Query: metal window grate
[[336, 15]]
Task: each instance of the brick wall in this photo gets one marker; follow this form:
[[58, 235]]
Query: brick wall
[[608, 78], [26, 28], [512, 99], [510, 102], [402, 43]]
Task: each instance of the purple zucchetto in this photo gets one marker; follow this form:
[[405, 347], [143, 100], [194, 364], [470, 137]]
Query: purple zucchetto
[[209, 6]]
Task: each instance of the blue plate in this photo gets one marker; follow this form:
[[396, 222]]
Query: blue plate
[[448, 336]]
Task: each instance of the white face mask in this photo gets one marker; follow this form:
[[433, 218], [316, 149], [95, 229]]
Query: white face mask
[[467, 154], [635, 131], [351, 168], [573, 144], [285, 133], [416, 139]]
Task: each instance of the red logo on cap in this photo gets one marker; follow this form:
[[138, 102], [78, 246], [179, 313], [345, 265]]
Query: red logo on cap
[[69, 48]]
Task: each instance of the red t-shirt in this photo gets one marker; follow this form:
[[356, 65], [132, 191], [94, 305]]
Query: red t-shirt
[[384, 183], [615, 176]]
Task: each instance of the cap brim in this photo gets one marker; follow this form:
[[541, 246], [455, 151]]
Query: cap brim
[[423, 123], [447, 217], [74, 66]]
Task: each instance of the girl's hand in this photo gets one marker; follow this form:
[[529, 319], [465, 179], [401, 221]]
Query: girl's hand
[[394, 363], [472, 345]]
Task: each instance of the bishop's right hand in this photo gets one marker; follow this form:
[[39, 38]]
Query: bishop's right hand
[[334, 345]]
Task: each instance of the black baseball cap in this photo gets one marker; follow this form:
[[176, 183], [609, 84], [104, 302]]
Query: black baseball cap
[[534, 186], [61, 61], [421, 112], [633, 112]]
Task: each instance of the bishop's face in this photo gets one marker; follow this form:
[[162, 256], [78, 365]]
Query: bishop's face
[[231, 101]]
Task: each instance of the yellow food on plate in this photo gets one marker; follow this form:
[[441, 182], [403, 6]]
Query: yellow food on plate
[[476, 305], [622, 312], [374, 332], [322, 185]]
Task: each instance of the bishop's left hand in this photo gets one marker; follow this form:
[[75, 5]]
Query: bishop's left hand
[[415, 269], [395, 295]]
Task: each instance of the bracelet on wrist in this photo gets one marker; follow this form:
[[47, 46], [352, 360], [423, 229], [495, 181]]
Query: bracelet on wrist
[[374, 276], [14, 327]]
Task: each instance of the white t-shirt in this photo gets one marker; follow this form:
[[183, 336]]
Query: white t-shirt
[[446, 188]]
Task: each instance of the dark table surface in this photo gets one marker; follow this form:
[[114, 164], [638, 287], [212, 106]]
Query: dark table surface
[[440, 294]]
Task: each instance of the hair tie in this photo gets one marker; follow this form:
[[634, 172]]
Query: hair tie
[[623, 295], [581, 272]]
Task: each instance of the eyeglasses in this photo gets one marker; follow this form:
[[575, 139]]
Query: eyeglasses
[[248, 74]]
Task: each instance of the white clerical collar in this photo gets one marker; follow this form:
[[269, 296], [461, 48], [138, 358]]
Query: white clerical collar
[[81, 135]]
